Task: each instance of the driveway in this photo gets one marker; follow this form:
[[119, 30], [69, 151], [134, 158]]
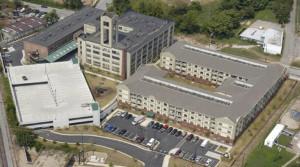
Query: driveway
[[150, 158], [102, 4]]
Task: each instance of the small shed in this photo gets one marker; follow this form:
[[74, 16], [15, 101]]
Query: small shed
[[275, 133]]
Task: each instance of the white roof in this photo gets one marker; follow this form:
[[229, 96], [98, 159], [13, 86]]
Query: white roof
[[273, 135], [51, 90]]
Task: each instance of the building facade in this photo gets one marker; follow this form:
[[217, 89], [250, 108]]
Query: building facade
[[121, 44], [224, 114]]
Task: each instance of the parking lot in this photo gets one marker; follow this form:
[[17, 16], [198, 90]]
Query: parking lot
[[167, 141]]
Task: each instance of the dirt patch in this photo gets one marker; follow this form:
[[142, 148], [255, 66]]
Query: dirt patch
[[243, 46], [50, 158], [287, 120]]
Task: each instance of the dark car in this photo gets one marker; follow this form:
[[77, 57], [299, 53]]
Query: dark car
[[141, 139], [190, 137], [174, 131], [155, 125], [195, 139], [178, 133], [150, 124], [24, 78], [43, 6], [113, 129], [128, 116], [122, 132], [177, 152], [169, 130], [159, 126], [193, 157]]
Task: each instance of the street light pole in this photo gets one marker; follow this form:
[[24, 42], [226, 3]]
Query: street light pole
[[279, 149]]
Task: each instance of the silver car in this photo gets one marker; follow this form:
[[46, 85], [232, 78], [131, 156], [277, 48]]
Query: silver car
[[198, 158]]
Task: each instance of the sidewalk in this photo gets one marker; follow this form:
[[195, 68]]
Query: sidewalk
[[167, 157], [296, 156]]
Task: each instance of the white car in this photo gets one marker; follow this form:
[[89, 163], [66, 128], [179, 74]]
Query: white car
[[124, 113], [119, 113], [208, 162]]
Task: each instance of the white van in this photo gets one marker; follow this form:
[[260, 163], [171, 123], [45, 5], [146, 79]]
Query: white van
[[151, 142], [204, 143]]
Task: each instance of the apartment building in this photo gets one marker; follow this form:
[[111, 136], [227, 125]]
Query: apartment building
[[121, 44], [244, 89]]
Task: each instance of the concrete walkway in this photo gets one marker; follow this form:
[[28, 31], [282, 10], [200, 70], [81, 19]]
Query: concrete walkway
[[99, 75], [296, 156], [167, 157]]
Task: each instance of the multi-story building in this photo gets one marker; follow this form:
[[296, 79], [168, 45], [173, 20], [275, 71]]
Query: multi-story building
[[120, 44], [243, 89]]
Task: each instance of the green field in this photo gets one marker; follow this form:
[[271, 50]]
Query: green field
[[265, 15], [241, 52], [284, 140], [295, 163], [207, 11], [264, 157]]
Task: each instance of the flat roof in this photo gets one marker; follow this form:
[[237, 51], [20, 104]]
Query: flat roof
[[233, 99], [26, 24], [52, 90], [67, 26], [144, 28]]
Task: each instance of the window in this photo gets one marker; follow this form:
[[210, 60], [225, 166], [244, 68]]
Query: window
[[115, 57], [106, 55], [115, 52], [120, 28], [96, 52], [106, 24], [185, 115], [220, 123]]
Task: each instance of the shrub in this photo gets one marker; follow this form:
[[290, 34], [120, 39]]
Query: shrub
[[39, 146], [77, 144], [54, 142]]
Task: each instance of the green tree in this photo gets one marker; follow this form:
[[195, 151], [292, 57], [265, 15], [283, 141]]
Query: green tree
[[17, 3], [189, 22], [195, 5], [25, 136], [51, 17], [120, 6], [78, 4]]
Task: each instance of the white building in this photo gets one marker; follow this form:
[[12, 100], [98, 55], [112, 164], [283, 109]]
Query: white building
[[268, 35], [52, 95], [274, 135]]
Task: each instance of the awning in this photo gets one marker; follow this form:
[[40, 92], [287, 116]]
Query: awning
[[61, 52], [150, 114]]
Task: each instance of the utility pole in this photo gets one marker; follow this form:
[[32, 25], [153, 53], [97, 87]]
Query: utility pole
[[82, 147], [279, 149]]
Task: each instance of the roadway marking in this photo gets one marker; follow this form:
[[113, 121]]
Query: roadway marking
[[180, 143]]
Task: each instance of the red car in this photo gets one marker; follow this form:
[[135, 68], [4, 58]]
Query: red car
[[164, 128], [177, 152], [141, 139], [24, 78], [190, 137]]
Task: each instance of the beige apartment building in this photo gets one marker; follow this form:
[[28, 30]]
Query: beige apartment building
[[121, 44], [244, 88]]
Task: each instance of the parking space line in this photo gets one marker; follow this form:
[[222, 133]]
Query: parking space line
[[212, 146]]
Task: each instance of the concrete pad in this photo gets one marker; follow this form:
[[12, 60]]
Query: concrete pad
[[146, 122], [213, 155]]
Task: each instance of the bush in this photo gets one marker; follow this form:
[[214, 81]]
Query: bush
[[54, 142], [39, 146], [44, 140], [77, 144]]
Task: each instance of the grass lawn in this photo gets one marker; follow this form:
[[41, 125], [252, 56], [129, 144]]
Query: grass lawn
[[101, 72], [265, 15], [295, 163], [284, 140], [264, 156], [114, 156], [187, 82], [109, 85], [178, 162], [252, 53], [222, 149], [296, 63]]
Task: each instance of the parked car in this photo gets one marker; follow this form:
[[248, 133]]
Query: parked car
[[195, 139], [108, 128], [183, 134], [135, 138], [119, 113], [122, 132], [190, 137], [24, 78], [164, 128], [124, 113], [141, 139], [155, 125], [178, 133], [113, 129], [159, 126], [193, 157], [198, 158], [178, 152], [169, 130], [182, 154], [150, 124], [128, 116], [151, 142], [208, 162], [44, 6], [174, 131]]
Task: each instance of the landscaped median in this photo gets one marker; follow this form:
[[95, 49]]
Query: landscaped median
[[256, 132]]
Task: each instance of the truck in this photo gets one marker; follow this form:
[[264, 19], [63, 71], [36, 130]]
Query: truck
[[204, 143], [138, 119]]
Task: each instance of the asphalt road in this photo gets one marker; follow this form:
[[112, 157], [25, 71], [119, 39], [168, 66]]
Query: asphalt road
[[291, 44], [150, 158], [102, 4], [62, 13]]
